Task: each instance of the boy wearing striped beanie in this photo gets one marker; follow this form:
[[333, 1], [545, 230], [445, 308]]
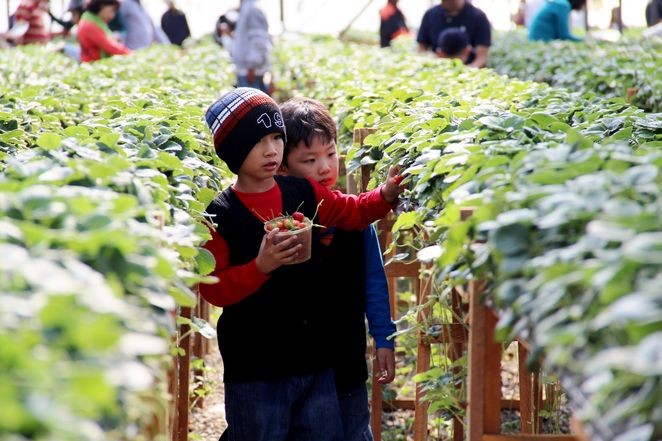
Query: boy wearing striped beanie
[[275, 329]]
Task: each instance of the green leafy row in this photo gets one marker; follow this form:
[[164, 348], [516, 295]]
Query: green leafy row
[[629, 69], [566, 190], [105, 171]]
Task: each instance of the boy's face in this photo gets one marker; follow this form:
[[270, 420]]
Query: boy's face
[[318, 162], [264, 159]]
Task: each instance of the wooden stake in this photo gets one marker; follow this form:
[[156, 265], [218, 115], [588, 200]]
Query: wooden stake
[[182, 398], [376, 405], [483, 411], [525, 391], [422, 363]]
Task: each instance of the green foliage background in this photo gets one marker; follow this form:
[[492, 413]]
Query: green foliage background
[[105, 170], [566, 191]]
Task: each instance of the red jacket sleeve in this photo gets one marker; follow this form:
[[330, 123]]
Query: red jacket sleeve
[[91, 35], [236, 282], [348, 211], [112, 47]]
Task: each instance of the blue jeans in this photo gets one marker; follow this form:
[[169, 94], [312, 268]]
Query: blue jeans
[[355, 414], [298, 408], [258, 83]]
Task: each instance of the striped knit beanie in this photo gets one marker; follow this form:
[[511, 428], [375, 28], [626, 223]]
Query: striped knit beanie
[[238, 120]]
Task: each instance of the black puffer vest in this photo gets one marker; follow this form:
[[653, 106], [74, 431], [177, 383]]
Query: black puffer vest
[[344, 265], [282, 329]]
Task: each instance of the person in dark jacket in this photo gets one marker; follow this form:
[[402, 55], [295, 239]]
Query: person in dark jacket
[[653, 13], [457, 14], [391, 23], [174, 24]]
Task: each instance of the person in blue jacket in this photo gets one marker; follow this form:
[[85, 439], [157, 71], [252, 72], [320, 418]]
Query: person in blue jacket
[[354, 265], [552, 22]]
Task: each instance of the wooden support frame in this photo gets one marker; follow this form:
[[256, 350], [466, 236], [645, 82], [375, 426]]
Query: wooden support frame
[[484, 378], [422, 363], [393, 271], [200, 344], [484, 382], [183, 363], [483, 419]]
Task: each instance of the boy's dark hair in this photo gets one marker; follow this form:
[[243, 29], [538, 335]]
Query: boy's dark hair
[[452, 41], [306, 119], [95, 5], [577, 4]]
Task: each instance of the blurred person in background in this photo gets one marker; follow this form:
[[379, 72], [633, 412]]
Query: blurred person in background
[[250, 46], [653, 12], [140, 29], [391, 23], [118, 25], [30, 23], [225, 26], [94, 36], [527, 10], [552, 22], [75, 9], [457, 14], [454, 43], [174, 24], [615, 22]]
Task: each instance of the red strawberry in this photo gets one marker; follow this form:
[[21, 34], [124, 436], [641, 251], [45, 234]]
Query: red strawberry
[[397, 179], [298, 216]]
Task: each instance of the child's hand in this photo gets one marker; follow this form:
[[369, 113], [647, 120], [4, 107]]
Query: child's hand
[[392, 189], [386, 363], [272, 255]]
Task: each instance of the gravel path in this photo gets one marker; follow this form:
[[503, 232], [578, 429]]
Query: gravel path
[[208, 423]]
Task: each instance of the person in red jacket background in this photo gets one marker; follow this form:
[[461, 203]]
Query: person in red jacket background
[[94, 36]]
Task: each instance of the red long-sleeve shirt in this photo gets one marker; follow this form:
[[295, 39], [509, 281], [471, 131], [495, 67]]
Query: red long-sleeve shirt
[[93, 40], [350, 212]]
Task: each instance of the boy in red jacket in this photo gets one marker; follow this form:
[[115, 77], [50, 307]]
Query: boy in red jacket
[[362, 292]]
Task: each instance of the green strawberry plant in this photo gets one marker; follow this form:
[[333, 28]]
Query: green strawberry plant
[[628, 69], [106, 169], [544, 169], [105, 172]]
